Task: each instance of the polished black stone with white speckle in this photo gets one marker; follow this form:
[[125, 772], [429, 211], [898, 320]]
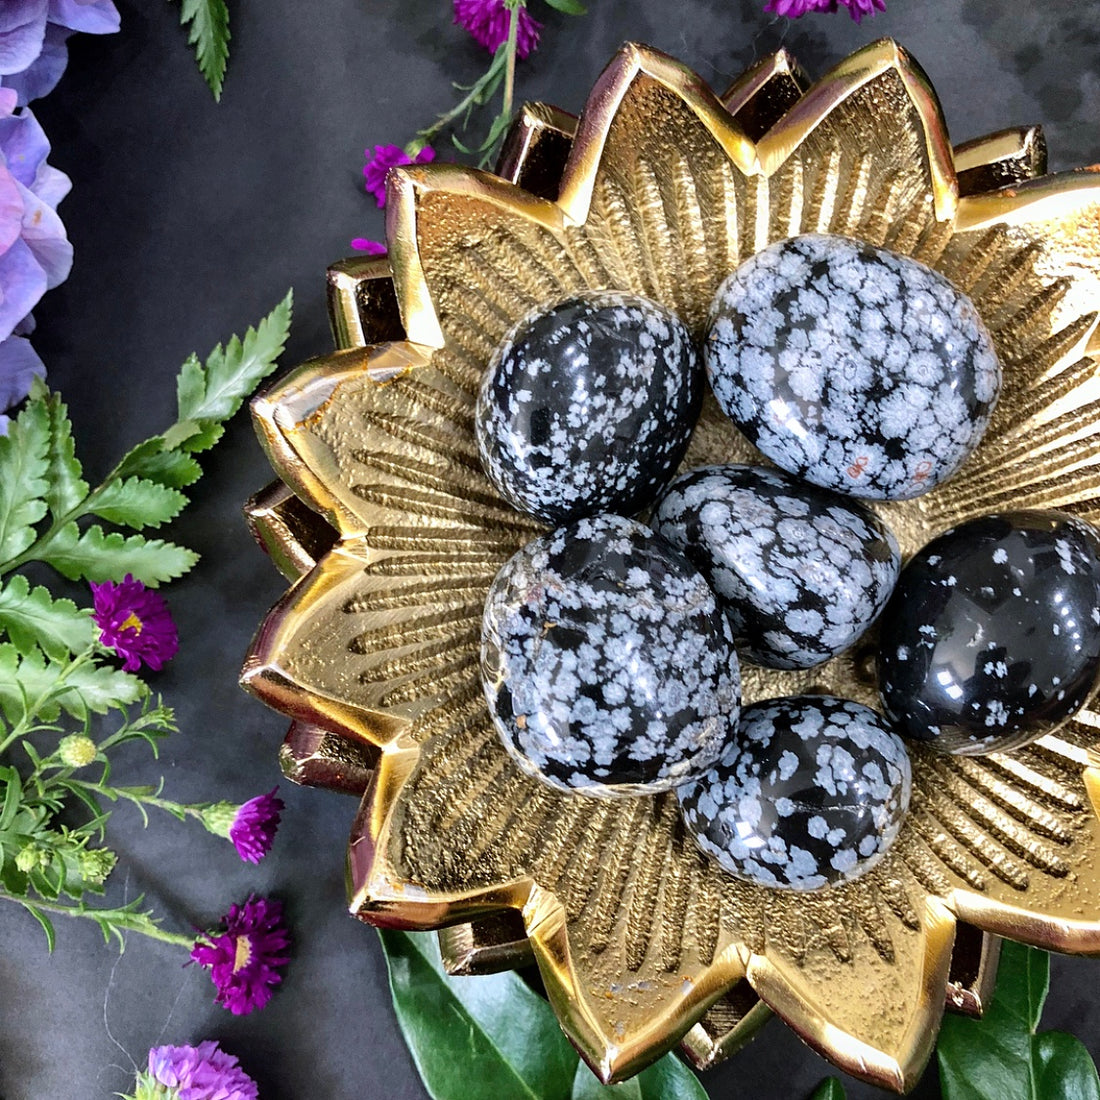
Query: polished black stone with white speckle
[[607, 663], [853, 367], [811, 792], [802, 572], [588, 407], [992, 637]]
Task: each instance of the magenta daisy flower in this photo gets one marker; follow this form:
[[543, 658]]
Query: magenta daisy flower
[[487, 21], [254, 825], [244, 961], [382, 159], [204, 1072], [135, 622]]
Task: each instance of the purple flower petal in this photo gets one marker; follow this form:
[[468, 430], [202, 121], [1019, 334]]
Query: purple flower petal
[[41, 76], [44, 234], [22, 43], [204, 1072], [245, 961], [19, 365], [24, 144], [14, 13], [86, 16], [135, 622], [371, 248], [254, 826], [22, 283]]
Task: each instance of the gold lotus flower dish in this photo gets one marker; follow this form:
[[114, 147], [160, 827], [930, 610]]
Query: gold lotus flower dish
[[392, 534]]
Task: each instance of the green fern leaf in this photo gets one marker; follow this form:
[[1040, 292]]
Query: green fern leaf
[[209, 35], [97, 556], [67, 487], [24, 465], [137, 502], [30, 683], [154, 461], [32, 617], [215, 392]]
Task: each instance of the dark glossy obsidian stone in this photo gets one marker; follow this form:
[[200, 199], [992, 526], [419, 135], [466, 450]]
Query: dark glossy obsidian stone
[[607, 663], [801, 571], [852, 367], [812, 791], [588, 407], [992, 637]]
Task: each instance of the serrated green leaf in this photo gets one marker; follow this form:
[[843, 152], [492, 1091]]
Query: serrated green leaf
[[47, 924], [137, 502], [155, 461], [475, 1038], [568, 7], [66, 484], [194, 435], [215, 392], [24, 464], [829, 1089], [666, 1079], [99, 556], [13, 792], [1000, 1055], [31, 681], [32, 617], [209, 35]]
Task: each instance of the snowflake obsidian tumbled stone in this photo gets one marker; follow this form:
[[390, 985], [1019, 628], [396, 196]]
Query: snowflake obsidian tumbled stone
[[802, 572], [607, 663], [588, 407], [811, 792], [853, 367], [992, 637]]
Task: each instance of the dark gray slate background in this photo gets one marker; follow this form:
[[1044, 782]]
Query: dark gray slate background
[[190, 220]]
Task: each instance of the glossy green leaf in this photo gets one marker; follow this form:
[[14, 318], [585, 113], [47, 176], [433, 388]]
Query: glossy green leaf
[[99, 556], [32, 618], [482, 1038], [209, 35], [137, 502], [668, 1079], [829, 1089], [569, 7], [218, 389], [1000, 1057], [24, 465]]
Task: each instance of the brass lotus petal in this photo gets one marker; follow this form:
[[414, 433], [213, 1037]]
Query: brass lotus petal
[[640, 939]]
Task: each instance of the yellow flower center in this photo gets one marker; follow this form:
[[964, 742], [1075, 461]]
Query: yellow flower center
[[131, 622], [244, 953]]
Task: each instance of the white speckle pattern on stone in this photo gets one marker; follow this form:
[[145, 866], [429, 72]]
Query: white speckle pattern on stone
[[853, 367], [802, 572], [588, 406], [828, 817], [608, 665], [1009, 649]]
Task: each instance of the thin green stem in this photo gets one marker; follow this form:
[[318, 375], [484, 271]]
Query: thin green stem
[[138, 797], [477, 94], [122, 919]]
